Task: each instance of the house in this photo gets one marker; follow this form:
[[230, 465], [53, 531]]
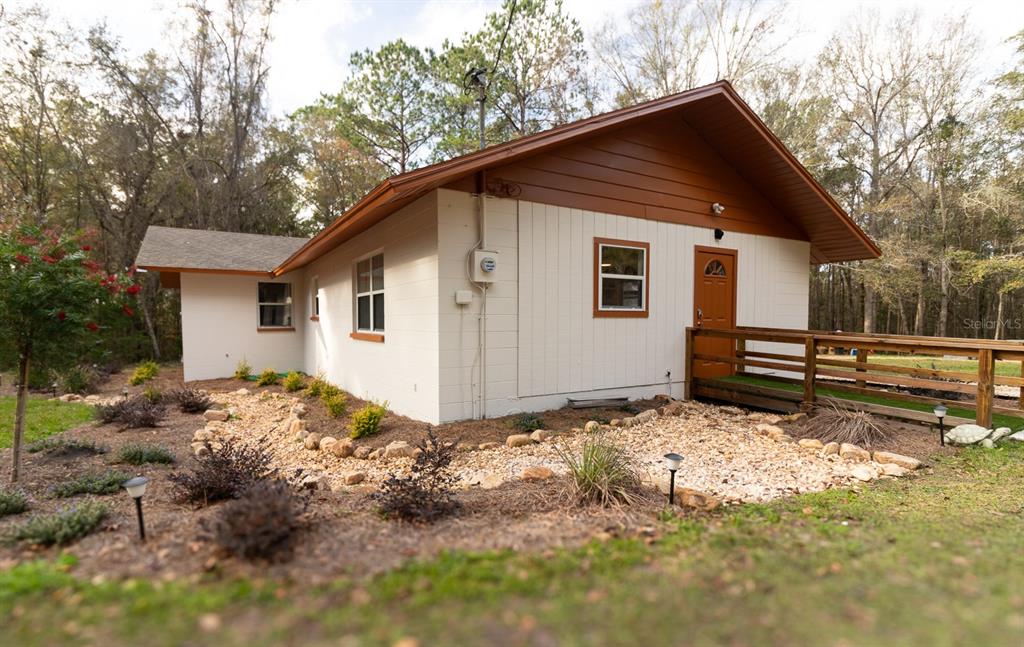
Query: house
[[565, 264]]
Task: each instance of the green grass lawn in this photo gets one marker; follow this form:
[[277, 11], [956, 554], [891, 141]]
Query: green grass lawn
[[932, 560], [1003, 367], [44, 417], [998, 419]]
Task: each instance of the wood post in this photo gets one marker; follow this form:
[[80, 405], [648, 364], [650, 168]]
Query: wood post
[[810, 369], [741, 352], [688, 365], [1020, 398], [862, 358], [986, 387]]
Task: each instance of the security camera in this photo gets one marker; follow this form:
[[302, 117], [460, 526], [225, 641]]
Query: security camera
[[717, 208]]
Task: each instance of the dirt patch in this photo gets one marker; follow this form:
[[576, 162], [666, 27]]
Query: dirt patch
[[918, 441]]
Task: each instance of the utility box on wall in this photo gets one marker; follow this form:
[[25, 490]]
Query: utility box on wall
[[485, 266]]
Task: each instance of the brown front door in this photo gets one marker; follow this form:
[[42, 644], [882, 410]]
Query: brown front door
[[714, 306]]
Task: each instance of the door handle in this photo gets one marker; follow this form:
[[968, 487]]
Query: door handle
[[700, 317]]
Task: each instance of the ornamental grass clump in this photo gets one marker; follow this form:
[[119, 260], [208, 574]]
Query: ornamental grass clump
[[143, 454], [66, 447], [366, 421], [243, 370], [12, 502], [99, 483], [428, 492], [602, 474], [294, 382], [260, 524], [267, 378], [222, 472], [190, 400], [836, 424], [317, 386], [336, 404], [61, 527], [144, 372]]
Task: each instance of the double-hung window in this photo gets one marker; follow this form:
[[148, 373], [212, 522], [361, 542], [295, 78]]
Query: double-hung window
[[275, 305], [314, 306], [370, 295], [621, 281]]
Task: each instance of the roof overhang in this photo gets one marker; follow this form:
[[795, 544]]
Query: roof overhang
[[716, 111]]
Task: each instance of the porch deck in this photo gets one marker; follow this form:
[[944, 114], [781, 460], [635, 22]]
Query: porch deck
[[755, 367]]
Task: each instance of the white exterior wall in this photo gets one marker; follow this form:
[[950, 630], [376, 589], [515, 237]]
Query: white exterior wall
[[545, 345], [404, 369], [219, 317]]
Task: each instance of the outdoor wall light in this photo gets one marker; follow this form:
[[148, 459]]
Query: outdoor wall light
[[940, 413], [672, 463], [718, 208], [136, 488], [719, 234]]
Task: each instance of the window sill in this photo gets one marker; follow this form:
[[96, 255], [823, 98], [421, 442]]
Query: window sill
[[277, 329], [621, 314], [315, 318], [368, 336]]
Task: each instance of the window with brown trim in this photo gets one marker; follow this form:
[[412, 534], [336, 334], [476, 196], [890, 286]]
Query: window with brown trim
[[621, 278], [275, 305], [369, 295]]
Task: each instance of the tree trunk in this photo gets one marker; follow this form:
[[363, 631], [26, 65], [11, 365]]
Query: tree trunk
[[870, 303], [19, 417], [941, 326], [150, 330], [1000, 333]]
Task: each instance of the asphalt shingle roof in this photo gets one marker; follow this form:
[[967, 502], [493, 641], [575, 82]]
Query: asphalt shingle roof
[[198, 249]]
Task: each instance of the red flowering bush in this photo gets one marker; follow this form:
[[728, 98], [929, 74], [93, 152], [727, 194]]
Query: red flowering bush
[[52, 297]]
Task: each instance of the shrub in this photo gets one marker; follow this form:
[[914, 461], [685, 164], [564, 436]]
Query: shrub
[[107, 482], [427, 493], [267, 378], [836, 424], [294, 382], [61, 527], [243, 370], [66, 447], [260, 523], [153, 394], [144, 372], [12, 502], [527, 422], [132, 413], [141, 454], [366, 421], [603, 474], [629, 408], [321, 388], [222, 473], [336, 404], [190, 400], [77, 379]]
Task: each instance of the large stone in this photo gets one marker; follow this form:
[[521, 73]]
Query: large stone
[[647, 415], [771, 431], [863, 472], [295, 426], [491, 481], [241, 392], [343, 448], [906, 462], [592, 426], [673, 409], [299, 410], [854, 453], [663, 398], [400, 449], [354, 478], [615, 422], [690, 498], [202, 435], [892, 469], [518, 440], [810, 443], [536, 473], [200, 449], [327, 441], [491, 445], [629, 421], [830, 449], [312, 441], [362, 453], [216, 414], [375, 454], [540, 435]]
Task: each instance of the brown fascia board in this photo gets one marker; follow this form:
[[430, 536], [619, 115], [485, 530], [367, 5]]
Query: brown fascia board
[[408, 186], [204, 270]]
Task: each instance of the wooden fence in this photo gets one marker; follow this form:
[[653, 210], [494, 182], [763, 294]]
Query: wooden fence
[[812, 368]]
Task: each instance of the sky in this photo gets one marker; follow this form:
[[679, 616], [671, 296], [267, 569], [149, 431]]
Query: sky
[[314, 38]]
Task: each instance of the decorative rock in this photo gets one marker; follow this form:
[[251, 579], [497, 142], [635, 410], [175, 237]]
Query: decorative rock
[[202, 435], [518, 440], [200, 449], [215, 425], [296, 425], [830, 448], [592, 426], [342, 448], [628, 422], [536, 473], [673, 409], [327, 441], [299, 410], [242, 392], [863, 472], [375, 454], [615, 422], [784, 438], [892, 469], [853, 453], [906, 462], [312, 441], [691, 498], [362, 453], [491, 445], [644, 416], [967, 434], [399, 449], [664, 398], [733, 411], [301, 435], [810, 443], [216, 414], [540, 435], [354, 478], [491, 481]]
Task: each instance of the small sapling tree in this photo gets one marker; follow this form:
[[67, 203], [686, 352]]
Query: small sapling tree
[[51, 297]]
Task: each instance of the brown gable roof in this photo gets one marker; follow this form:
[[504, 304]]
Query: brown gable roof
[[171, 249], [716, 111]]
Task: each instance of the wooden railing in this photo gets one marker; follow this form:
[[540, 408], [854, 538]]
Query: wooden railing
[[813, 368]]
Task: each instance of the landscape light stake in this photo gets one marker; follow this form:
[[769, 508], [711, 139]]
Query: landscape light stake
[[672, 462], [136, 488], [940, 413]]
